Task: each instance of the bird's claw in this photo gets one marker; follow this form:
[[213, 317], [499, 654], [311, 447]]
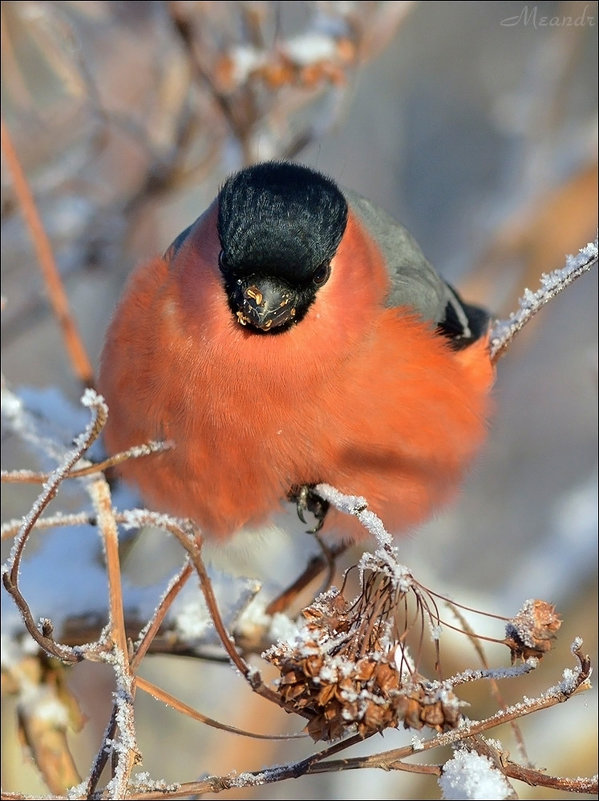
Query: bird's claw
[[306, 499]]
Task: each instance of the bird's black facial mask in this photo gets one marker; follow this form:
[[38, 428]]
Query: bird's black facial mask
[[279, 226]]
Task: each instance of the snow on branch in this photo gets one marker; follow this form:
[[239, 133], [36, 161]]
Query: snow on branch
[[504, 331]]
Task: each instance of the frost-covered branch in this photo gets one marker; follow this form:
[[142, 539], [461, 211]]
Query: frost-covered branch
[[395, 759], [504, 331], [10, 571]]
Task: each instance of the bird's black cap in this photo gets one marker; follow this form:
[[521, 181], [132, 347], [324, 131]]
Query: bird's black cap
[[282, 222], [280, 218]]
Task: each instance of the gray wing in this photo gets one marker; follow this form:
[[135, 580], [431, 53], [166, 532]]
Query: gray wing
[[414, 282]]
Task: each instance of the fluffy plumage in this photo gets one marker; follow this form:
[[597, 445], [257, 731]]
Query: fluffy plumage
[[378, 383]]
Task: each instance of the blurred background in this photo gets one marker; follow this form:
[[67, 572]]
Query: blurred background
[[475, 124]]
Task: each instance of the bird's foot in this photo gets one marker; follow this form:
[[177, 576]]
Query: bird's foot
[[306, 499]]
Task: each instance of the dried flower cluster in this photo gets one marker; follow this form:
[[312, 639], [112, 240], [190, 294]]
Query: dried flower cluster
[[349, 669]]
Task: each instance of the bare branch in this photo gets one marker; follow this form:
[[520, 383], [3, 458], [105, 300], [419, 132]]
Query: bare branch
[[166, 698], [58, 298]]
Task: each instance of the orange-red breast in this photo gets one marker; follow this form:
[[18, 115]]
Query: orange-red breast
[[295, 334]]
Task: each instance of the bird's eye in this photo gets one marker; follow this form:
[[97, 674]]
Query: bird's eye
[[222, 262], [321, 274]]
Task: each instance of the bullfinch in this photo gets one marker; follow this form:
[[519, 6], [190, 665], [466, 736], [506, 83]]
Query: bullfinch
[[295, 334]]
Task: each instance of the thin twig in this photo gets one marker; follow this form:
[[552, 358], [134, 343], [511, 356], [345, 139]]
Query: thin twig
[[151, 630], [191, 542], [504, 331], [100, 494], [101, 758], [166, 698], [530, 775], [12, 527], [135, 452], [190, 539], [10, 571], [314, 567], [80, 361], [495, 691], [125, 747]]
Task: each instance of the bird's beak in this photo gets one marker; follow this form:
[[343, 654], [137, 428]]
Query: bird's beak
[[263, 303]]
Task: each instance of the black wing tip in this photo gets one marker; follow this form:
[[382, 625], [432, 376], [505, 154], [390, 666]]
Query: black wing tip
[[463, 323]]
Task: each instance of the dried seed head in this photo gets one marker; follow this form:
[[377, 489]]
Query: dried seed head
[[532, 631], [349, 670]]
